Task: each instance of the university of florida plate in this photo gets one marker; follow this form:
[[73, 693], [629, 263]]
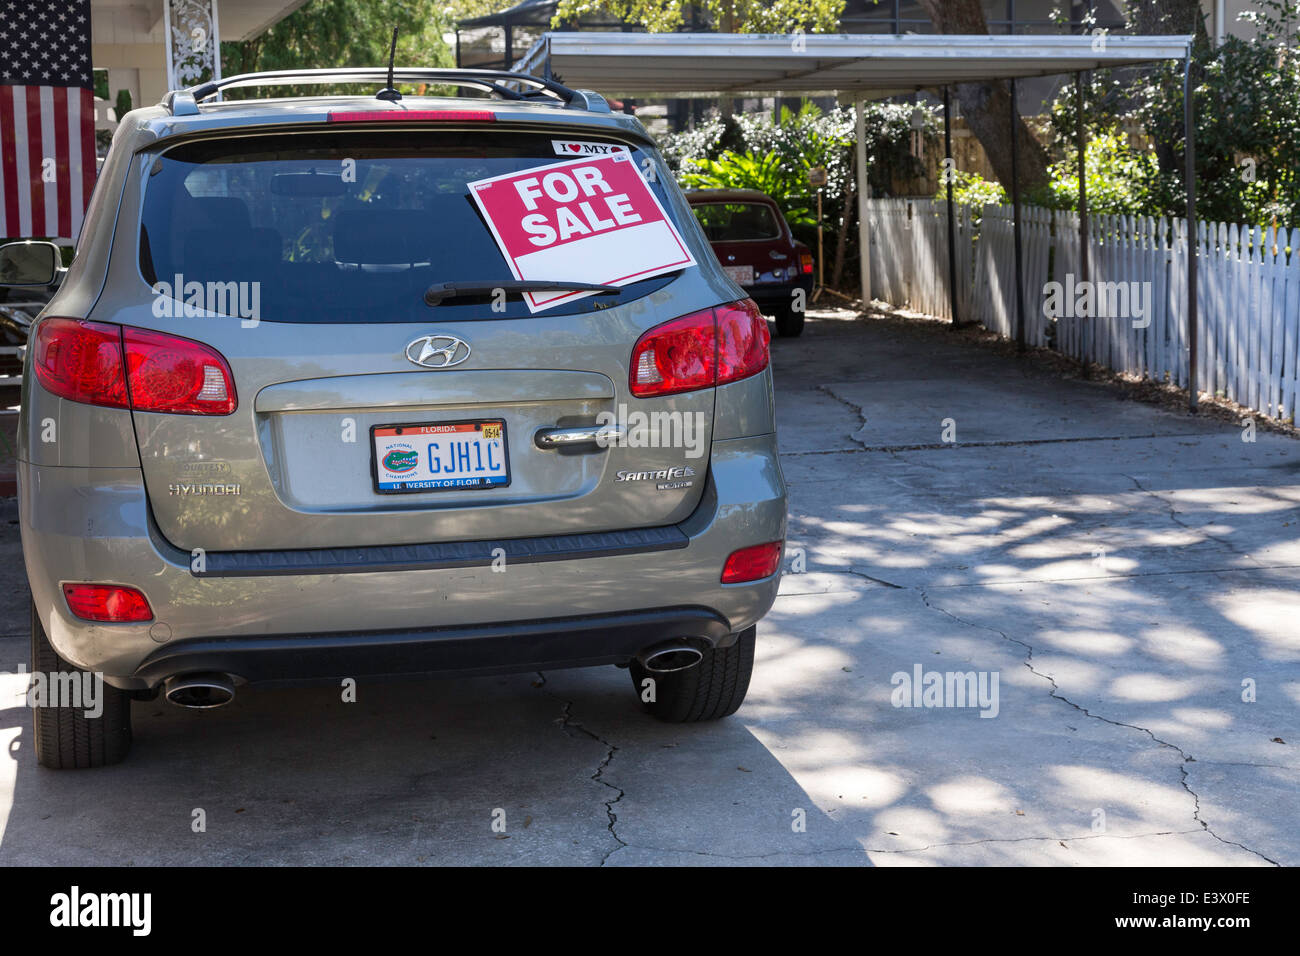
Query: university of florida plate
[[440, 456]]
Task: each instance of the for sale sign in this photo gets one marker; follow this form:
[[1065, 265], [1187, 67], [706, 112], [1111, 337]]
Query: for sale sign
[[586, 220]]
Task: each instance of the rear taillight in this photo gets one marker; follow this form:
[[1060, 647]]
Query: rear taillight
[[743, 341], [753, 563], [80, 361], [677, 356], [806, 263], [107, 603], [94, 362], [700, 350], [170, 374]]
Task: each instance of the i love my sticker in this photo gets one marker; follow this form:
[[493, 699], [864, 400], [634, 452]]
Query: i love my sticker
[[574, 148]]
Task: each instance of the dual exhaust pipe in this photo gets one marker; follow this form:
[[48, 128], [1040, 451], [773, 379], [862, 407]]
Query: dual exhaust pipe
[[212, 690], [200, 691], [670, 657]]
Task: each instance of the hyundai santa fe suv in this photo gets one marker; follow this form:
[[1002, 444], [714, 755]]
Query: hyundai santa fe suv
[[354, 386]]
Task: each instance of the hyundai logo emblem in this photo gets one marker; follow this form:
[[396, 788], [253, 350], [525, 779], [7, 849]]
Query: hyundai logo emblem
[[437, 351]]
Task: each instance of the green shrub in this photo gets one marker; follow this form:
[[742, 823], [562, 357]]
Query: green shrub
[[767, 173], [972, 189], [1120, 179]]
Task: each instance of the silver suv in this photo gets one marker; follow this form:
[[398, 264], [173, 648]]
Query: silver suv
[[343, 387]]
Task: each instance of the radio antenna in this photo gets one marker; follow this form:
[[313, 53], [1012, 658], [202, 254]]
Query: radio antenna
[[389, 92]]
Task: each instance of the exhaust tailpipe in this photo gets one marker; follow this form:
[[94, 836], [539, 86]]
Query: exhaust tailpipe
[[200, 691], [670, 657]]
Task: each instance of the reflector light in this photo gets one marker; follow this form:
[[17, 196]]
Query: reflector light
[[753, 563], [107, 603]]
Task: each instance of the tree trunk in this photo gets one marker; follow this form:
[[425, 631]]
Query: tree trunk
[[986, 106], [842, 243], [1154, 17], [1177, 17]]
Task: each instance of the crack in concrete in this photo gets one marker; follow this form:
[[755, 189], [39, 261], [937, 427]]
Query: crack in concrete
[[1040, 839], [1173, 516], [856, 409], [1186, 757], [750, 856], [855, 571], [567, 723], [941, 446]]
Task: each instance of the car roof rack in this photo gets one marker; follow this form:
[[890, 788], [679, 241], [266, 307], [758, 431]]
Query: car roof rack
[[185, 102]]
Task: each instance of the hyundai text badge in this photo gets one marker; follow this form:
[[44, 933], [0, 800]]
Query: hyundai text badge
[[437, 351]]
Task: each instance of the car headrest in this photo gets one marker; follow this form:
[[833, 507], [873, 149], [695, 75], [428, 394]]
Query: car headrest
[[384, 236]]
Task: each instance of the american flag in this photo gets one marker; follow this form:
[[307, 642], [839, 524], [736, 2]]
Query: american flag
[[47, 117]]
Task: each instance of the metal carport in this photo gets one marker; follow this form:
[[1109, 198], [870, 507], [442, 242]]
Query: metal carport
[[731, 64]]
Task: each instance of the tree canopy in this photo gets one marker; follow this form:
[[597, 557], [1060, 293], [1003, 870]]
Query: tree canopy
[[325, 33], [728, 16]]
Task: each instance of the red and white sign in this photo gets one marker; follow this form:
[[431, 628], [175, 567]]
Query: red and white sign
[[585, 220]]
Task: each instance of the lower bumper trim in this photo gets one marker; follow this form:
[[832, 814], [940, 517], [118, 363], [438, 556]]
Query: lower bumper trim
[[371, 559], [508, 647]]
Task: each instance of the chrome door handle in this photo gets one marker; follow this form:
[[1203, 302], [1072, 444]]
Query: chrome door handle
[[577, 435]]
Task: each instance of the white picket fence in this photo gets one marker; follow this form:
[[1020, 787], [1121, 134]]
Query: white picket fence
[[1134, 315]]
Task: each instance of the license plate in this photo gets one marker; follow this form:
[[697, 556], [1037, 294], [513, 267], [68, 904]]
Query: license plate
[[440, 456], [741, 275]]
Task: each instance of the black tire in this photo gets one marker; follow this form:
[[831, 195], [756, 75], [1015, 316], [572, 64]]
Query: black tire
[[789, 323], [64, 737], [713, 688]]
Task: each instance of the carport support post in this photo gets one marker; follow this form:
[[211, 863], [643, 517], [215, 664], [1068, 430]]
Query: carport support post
[[1189, 136], [1015, 207], [864, 228], [1081, 142], [950, 173]]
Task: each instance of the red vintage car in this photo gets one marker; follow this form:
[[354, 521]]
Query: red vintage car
[[754, 244]]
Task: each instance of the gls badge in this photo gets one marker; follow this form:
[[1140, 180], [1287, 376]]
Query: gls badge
[[437, 351]]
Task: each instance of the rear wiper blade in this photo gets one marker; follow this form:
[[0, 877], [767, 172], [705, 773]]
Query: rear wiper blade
[[449, 290]]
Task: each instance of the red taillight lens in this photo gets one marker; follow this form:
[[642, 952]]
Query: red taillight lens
[[108, 603], [677, 356], [92, 363], [752, 563], [806, 263], [700, 350], [181, 376], [80, 361], [436, 116], [743, 341]]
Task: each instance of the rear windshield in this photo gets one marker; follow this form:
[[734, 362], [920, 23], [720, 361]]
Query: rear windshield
[[345, 226], [737, 221]]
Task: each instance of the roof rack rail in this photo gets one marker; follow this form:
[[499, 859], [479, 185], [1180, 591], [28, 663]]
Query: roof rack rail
[[183, 102]]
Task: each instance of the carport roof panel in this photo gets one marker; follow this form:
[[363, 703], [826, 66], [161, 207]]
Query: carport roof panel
[[705, 63]]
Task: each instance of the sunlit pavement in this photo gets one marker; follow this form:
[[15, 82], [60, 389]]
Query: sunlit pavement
[[1127, 574]]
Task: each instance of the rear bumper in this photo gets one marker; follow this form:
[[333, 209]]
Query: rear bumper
[[779, 294], [507, 647], [408, 609]]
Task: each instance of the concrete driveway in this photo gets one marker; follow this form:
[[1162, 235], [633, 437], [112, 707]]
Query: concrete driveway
[[1121, 582]]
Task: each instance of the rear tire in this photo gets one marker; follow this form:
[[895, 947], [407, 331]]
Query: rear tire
[[789, 323], [64, 737], [713, 688]]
